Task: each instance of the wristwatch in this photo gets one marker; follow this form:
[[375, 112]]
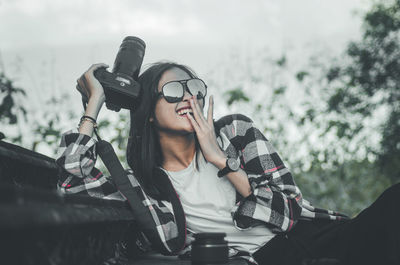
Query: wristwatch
[[232, 165]]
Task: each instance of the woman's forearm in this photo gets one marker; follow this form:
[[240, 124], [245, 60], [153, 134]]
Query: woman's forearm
[[92, 109], [240, 180]]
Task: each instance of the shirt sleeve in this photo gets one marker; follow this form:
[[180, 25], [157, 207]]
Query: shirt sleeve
[[275, 199], [78, 175]]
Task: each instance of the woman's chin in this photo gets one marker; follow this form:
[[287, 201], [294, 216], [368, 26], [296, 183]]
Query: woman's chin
[[187, 123], [189, 128], [181, 126]]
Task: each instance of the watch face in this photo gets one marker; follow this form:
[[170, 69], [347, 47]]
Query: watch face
[[233, 164]]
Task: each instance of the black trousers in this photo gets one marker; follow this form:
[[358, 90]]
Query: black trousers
[[373, 237]]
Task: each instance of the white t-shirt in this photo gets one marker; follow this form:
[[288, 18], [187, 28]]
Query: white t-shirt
[[207, 201]]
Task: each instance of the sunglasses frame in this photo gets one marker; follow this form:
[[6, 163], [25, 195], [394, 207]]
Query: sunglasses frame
[[184, 87]]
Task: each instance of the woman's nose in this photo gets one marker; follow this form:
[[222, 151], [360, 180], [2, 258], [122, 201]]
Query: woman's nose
[[186, 95]]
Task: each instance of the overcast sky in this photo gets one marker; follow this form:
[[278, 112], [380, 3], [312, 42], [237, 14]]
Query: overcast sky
[[45, 45], [192, 32]]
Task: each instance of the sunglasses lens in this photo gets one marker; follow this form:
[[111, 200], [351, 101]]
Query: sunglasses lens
[[173, 92], [197, 88]]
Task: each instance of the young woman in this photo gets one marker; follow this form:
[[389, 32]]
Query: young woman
[[191, 174]]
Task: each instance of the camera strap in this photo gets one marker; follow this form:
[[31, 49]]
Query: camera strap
[[111, 161], [121, 181]]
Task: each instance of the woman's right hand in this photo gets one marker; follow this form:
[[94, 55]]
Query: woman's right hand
[[90, 86]]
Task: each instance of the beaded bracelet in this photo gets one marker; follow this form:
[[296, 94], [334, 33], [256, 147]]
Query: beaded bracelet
[[88, 118]]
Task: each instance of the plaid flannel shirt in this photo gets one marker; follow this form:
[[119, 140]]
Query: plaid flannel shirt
[[276, 201]]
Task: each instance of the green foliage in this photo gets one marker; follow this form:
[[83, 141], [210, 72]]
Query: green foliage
[[47, 131], [48, 135], [389, 157], [349, 186], [382, 19], [280, 90], [301, 75], [333, 73], [9, 110], [31, 131], [236, 95], [339, 129], [353, 107], [282, 61], [371, 80]]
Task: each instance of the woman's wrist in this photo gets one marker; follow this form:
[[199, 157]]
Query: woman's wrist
[[88, 119], [93, 107], [240, 181], [220, 161], [86, 127], [98, 97]]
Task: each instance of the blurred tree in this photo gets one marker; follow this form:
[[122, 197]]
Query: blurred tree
[[353, 104], [41, 129], [336, 122], [46, 124], [364, 88], [10, 109], [371, 81], [235, 95]]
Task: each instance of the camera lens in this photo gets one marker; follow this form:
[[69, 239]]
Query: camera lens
[[209, 248], [130, 57]]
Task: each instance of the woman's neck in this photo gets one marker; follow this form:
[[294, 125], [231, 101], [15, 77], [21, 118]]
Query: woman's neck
[[178, 150]]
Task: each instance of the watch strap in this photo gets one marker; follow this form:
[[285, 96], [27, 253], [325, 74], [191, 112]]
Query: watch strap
[[226, 169]]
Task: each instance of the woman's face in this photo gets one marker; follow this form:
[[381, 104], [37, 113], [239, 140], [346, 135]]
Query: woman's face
[[167, 117]]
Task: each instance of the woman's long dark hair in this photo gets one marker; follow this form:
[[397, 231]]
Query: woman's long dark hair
[[143, 153]]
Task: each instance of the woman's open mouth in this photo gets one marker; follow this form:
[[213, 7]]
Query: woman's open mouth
[[182, 112]]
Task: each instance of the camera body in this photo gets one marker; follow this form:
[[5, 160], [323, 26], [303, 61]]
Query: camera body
[[121, 89]]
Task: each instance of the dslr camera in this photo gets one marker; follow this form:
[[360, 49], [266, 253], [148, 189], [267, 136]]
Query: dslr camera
[[121, 88]]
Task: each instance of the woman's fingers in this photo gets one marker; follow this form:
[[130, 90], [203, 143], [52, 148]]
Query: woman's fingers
[[205, 131], [88, 83], [210, 112], [197, 111], [96, 66], [89, 74], [81, 87], [193, 122]]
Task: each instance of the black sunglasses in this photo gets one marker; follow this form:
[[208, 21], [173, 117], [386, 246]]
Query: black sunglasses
[[174, 91]]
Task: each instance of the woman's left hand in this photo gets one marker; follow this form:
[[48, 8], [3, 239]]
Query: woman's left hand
[[206, 134]]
